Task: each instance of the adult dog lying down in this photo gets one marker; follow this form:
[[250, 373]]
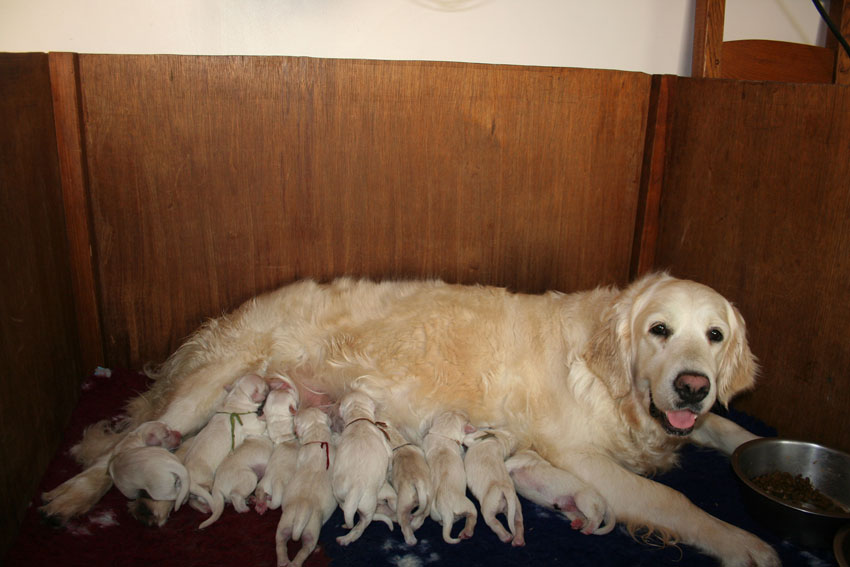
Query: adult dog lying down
[[605, 384]]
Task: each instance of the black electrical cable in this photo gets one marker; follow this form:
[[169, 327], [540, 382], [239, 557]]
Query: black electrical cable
[[832, 27]]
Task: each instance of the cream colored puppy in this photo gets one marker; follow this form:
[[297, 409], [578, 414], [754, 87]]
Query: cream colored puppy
[[148, 434], [279, 411], [361, 465], [444, 454], [411, 479], [308, 499], [150, 471], [539, 481], [237, 476], [490, 483], [225, 431]]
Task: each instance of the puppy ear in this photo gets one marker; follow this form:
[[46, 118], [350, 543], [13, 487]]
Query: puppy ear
[[739, 366]]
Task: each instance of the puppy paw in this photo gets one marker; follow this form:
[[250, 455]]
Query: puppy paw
[[588, 512]]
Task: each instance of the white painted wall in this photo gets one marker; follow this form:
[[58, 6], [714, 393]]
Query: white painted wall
[[652, 36]]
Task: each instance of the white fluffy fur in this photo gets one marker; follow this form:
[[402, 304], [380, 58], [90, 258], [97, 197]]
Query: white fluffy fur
[[489, 481], [152, 470], [444, 454], [237, 476], [361, 466], [557, 489], [279, 411], [570, 376], [235, 419], [308, 499]]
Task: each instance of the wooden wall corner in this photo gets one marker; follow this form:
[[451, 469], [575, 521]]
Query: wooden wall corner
[[658, 128], [67, 112]]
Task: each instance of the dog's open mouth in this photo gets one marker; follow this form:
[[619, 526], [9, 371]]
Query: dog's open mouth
[[674, 422]]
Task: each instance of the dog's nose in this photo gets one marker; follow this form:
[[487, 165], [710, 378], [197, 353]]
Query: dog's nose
[[692, 388]]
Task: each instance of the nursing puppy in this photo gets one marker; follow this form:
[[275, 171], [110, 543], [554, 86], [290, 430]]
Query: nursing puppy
[[361, 465], [142, 463], [490, 483], [279, 413], [606, 383], [444, 454], [308, 499], [225, 431], [149, 434], [237, 476], [150, 471], [557, 489], [411, 479]]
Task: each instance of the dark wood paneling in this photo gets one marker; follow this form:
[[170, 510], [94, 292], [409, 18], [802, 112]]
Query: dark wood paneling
[[69, 134], [214, 178], [38, 360], [756, 203]]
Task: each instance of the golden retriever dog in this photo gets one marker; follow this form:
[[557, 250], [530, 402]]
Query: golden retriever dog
[[606, 384]]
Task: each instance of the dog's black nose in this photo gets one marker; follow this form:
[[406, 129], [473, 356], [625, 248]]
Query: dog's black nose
[[692, 388]]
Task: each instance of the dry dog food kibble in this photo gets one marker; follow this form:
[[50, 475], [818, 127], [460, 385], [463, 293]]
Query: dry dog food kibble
[[797, 490]]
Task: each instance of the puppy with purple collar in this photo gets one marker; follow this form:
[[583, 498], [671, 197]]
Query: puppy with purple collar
[[444, 455], [308, 499], [361, 466]]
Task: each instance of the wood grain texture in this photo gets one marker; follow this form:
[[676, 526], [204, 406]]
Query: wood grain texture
[[709, 19], [214, 178], [72, 168], [766, 60], [39, 364], [756, 203], [839, 11], [658, 133]]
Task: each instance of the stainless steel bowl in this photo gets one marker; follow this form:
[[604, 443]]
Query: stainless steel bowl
[[828, 470], [841, 547]]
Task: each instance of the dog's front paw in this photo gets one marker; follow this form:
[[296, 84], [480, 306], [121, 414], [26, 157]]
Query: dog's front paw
[[746, 550]]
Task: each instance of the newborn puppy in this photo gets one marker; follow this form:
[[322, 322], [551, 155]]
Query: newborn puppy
[[237, 476], [361, 465], [490, 483], [150, 471], [148, 434], [152, 512], [225, 431], [411, 479], [444, 455], [537, 480], [308, 499], [279, 411]]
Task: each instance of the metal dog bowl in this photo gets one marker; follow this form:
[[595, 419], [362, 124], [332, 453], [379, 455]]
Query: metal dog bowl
[[841, 546], [827, 469]]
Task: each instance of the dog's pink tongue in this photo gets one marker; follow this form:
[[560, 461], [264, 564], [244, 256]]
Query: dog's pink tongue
[[682, 419]]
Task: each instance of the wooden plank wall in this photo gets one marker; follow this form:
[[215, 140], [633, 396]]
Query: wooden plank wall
[[756, 202], [214, 178], [39, 361]]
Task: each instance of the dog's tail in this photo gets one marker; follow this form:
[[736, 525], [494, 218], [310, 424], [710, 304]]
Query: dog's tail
[[216, 503], [182, 482]]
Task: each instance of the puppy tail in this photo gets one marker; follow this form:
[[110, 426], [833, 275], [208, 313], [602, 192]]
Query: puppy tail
[[216, 503], [181, 480]]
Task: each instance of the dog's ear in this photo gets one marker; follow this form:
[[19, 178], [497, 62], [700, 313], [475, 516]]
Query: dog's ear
[[608, 352], [739, 366]]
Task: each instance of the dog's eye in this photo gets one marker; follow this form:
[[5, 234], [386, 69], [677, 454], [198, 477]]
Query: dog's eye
[[660, 330], [715, 335]]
